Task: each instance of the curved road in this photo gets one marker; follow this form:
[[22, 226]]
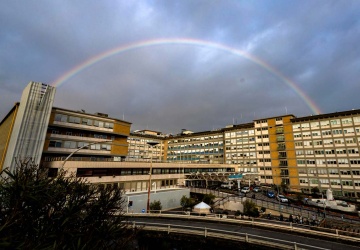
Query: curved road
[[321, 243]]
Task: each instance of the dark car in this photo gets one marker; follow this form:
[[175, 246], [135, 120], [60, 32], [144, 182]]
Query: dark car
[[270, 194]]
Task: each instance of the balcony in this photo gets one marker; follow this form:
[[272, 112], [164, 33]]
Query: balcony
[[282, 156], [279, 130], [280, 139]]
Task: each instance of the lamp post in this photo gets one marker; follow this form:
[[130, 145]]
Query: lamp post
[[152, 144]]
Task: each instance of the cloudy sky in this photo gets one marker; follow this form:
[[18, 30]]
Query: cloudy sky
[[187, 64]]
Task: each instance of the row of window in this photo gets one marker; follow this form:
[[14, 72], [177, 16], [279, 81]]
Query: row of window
[[76, 144], [328, 161], [325, 123], [334, 132], [239, 133], [337, 182], [339, 151], [350, 140], [331, 171], [83, 121], [212, 137], [200, 145]]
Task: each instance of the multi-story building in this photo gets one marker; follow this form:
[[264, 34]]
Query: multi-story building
[[91, 137], [316, 151], [141, 150], [202, 147], [327, 152]]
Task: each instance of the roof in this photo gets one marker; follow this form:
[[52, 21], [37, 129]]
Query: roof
[[202, 205]]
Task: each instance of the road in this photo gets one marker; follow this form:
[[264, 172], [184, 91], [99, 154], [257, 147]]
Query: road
[[324, 244]]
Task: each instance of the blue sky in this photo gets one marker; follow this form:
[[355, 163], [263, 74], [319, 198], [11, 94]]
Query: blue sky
[[314, 44]]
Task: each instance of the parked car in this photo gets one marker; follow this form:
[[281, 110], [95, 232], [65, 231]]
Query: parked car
[[245, 190], [270, 194], [281, 198], [256, 189]]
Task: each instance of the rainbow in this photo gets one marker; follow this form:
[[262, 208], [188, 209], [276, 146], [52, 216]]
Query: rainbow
[[186, 41]]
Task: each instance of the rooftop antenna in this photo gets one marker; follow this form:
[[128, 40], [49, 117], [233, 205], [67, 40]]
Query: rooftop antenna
[[285, 110]]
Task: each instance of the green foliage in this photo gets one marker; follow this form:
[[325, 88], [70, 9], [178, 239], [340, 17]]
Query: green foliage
[[209, 199], [65, 212], [250, 209], [237, 213], [155, 205], [185, 201]]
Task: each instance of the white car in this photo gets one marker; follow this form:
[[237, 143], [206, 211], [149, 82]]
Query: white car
[[245, 190], [282, 198]]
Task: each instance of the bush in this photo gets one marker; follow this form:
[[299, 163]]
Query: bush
[[156, 205], [250, 209], [263, 209]]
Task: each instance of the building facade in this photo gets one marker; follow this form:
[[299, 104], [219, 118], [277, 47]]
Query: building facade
[[320, 151]]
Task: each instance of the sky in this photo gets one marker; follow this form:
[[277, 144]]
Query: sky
[[190, 64]]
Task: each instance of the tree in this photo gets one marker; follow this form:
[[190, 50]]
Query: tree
[[185, 201], [64, 212], [250, 209], [155, 205], [209, 199]]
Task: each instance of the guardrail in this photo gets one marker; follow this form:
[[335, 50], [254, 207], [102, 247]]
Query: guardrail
[[224, 234], [287, 227]]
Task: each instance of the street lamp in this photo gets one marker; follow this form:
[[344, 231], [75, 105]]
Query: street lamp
[[152, 144]]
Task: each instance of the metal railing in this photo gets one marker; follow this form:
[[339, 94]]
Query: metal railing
[[287, 227]]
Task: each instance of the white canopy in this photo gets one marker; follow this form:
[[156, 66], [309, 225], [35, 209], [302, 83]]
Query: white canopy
[[202, 208], [202, 205]]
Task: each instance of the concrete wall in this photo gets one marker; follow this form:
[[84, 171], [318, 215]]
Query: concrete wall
[[170, 199]]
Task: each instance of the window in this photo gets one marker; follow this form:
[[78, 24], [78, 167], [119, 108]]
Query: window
[[335, 122], [324, 123], [314, 124], [55, 144], [74, 119], [305, 125], [346, 121], [58, 117], [69, 144]]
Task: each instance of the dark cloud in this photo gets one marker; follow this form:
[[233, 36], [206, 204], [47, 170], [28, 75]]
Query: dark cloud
[[313, 44]]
